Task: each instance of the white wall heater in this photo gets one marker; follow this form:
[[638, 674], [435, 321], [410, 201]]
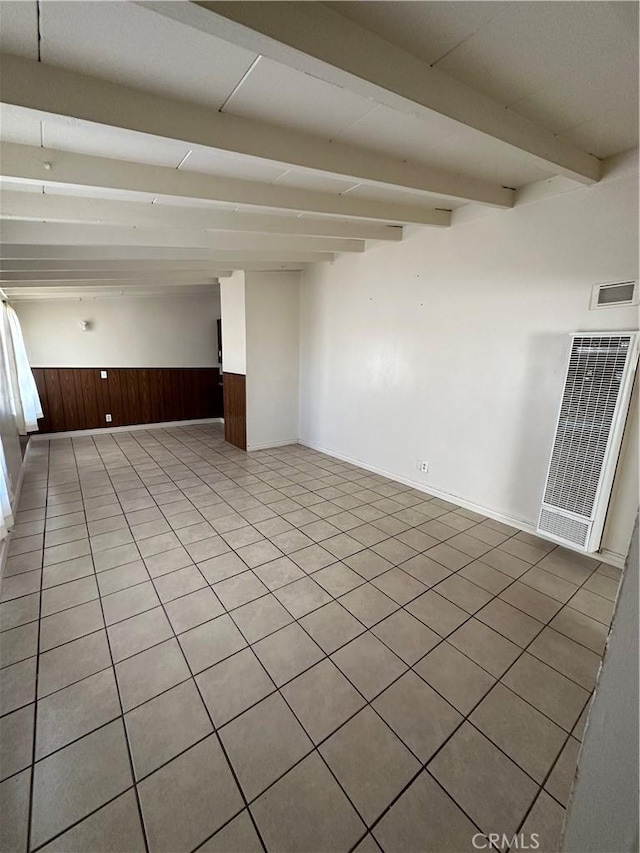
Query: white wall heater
[[588, 435]]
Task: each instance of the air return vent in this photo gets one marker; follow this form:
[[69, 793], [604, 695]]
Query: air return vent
[[616, 294], [585, 451]]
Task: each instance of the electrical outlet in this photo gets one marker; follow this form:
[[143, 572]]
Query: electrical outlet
[[103, 374], [108, 418], [424, 467]]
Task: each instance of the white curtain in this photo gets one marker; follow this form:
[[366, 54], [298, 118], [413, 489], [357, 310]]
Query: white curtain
[[6, 518], [23, 395], [19, 400]]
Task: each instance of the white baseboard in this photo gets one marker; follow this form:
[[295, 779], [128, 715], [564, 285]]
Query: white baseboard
[[270, 444], [611, 557], [78, 433]]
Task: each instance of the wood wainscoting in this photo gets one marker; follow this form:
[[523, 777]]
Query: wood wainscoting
[[235, 409], [78, 398]]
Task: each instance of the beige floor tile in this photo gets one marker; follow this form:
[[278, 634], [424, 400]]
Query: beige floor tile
[[16, 741], [95, 769], [14, 806], [322, 699], [425, 818], [370, 762], [163, 727], [211, 642], [568, 657], [368, 564], [546, 820], [549, 584], [426, 570], [406, 636], [531, 602], [19, 643], [149, 673], [491, 789], [138, 633], [508, 564], [188, 799], [510, 622], [485, 646], [291, 815], [438, 613], [528, 737], [117, 825], [331, 626], [233, 685], [129, 602], [239, 834], [258, 760], [561, 699], [261, 617], [463, 593], [399, 586], [560, 781], [75, 711], [484, 576], [368, 664], [72, 662], [417, 714], [278, 573], [462, 682], [583, 629], [302, 596], [592, 605], [287, 652]]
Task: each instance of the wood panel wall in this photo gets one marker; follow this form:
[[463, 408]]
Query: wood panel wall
[[78, 398], [235, 409]]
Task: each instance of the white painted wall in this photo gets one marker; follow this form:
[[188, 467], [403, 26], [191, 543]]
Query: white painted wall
[[603, 812], [272, 313], [451, 347], [142, 331], [234, 331]]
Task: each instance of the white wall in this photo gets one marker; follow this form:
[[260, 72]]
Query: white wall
[[603, 812], [144, 331], [451, 347], [234, 331], [272, 325]]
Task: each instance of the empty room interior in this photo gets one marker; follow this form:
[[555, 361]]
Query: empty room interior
[[319, 426]]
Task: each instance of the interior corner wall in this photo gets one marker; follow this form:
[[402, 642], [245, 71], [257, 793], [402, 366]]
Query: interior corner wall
[[603, 809], [273, 327], [127, 331], [451, 347], [234, 332]]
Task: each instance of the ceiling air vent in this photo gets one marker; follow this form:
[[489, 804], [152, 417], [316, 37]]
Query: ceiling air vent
[[614, 294], [588, 435]]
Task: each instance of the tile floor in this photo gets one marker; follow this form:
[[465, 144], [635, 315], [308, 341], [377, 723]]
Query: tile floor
[[207, 649]]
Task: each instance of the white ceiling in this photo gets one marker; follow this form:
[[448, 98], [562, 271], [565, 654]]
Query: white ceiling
[[571, 67]]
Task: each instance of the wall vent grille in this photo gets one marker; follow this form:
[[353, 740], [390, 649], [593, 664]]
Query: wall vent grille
[[588, 434], [566, 528], [616, 294]]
